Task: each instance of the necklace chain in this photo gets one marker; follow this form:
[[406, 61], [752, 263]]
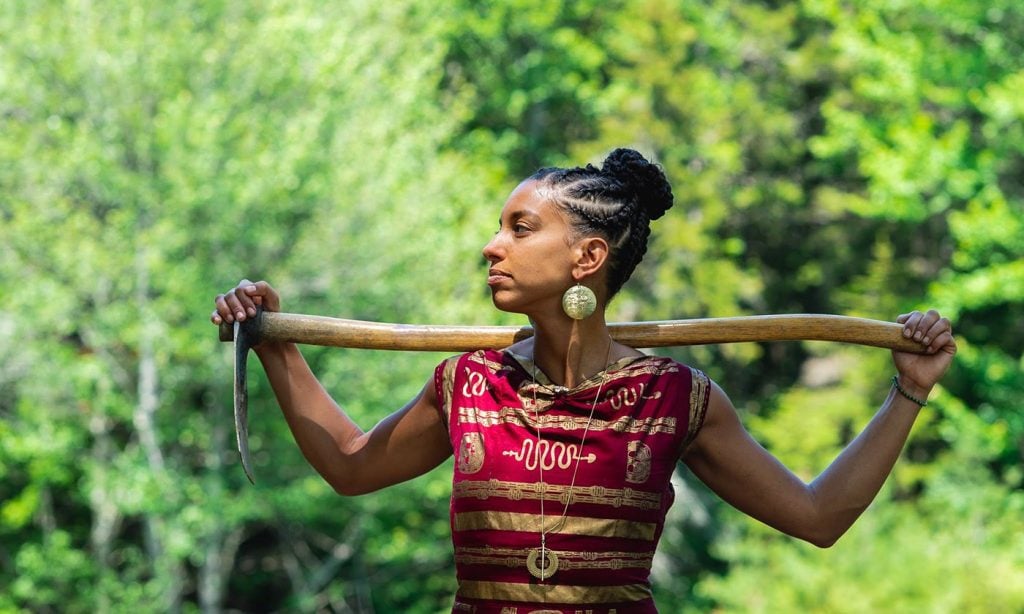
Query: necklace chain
[[548, 560]]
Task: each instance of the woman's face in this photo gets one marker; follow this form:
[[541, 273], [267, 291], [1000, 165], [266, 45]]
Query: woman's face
[[532, 255]]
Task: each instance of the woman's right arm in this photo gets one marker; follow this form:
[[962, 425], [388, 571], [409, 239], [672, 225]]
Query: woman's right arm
[[406, 444]]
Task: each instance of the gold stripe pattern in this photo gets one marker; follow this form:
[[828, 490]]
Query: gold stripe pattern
[[515, 558], [599, 495], [448, 387], [699, 388], [520, 417], [481, 359], [568, 525], [552, 593], [656, 366], [647, 365]]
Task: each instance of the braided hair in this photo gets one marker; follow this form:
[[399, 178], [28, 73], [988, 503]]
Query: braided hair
[[617, 202]]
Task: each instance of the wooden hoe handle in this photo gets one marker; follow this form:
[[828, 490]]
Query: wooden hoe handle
[[338, 332]]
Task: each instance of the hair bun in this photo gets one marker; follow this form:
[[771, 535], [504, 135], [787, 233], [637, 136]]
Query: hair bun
[[647, 180]]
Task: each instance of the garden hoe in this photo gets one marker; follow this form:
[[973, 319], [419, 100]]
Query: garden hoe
[[337, 332]]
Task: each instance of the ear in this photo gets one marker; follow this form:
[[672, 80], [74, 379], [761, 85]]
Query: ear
[[590, 253]]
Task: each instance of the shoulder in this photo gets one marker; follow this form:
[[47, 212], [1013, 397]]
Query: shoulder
[[487, 363], [495, 359], [472, 374], [686, 389], [672, 371]]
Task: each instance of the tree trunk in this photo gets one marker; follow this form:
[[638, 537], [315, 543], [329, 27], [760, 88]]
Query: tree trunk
[[142, 418], [221, 545]]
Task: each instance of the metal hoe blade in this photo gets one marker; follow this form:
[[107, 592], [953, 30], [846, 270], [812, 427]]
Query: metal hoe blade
[[243, 337]]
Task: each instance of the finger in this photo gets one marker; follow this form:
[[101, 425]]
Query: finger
[[943, 342], [250, 295], [950, 346], [910, 323], [929, 326], [929, 319], [263, 294], [235, 311], [921, 326], [256, 291], [241, 303], [939, 334], [932, 329], [236, 304], [223, 312]]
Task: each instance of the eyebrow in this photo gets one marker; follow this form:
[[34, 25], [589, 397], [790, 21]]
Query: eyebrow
[[521, 213]]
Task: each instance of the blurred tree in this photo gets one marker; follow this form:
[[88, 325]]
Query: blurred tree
[[532, 74], [153, 156], [843, 158]]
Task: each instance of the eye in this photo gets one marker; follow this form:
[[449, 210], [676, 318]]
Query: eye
[[520, 228]]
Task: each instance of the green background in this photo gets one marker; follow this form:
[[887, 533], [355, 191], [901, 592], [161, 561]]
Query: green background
[[860, 157]]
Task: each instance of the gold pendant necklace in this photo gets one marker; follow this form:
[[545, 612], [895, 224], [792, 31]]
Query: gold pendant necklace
[[541, 562]]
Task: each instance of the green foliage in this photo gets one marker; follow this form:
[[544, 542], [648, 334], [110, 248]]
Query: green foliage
[[957, 549], [152, 159], [848, 157], [531, 73]]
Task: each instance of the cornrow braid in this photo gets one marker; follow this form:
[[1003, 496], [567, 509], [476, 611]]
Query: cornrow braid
[[617, 202]]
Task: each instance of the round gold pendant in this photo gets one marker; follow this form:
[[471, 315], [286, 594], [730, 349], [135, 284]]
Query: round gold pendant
[[579, 302], [549, 564]]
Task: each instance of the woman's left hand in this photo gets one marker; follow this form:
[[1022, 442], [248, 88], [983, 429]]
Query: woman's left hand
[[920, 372]]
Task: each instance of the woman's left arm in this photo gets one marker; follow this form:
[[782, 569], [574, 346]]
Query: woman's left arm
[[743, 473]]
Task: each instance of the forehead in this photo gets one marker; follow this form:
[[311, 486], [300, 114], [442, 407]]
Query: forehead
[[529, 198]]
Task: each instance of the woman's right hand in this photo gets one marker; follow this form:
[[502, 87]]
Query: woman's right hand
[[406, 444], [241, 302]]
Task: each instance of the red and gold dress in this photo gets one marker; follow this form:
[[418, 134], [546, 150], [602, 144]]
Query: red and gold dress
[[611, 444]]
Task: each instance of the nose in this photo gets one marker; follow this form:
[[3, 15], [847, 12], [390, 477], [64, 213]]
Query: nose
[[493, 250]]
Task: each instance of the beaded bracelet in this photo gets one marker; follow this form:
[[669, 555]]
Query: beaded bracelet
[[896, 382]]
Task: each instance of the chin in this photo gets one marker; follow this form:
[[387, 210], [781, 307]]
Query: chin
[[506, 308], [506, 305]]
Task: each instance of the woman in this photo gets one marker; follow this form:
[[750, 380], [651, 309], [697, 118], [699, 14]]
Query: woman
[[565, 443]]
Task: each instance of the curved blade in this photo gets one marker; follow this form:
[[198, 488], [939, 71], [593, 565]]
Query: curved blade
[[242, 344]]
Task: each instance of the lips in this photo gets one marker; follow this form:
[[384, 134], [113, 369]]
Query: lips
[[496, 276]]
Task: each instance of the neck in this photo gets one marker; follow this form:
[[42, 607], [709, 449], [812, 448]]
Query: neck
[[569, 351]]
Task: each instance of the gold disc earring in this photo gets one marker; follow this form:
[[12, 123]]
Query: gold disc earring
[[579, 301]]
